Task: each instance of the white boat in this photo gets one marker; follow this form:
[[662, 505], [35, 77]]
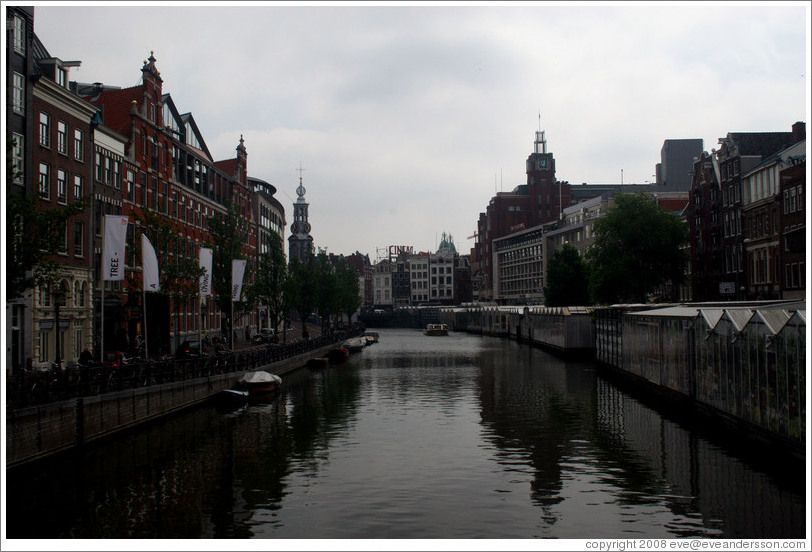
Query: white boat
[[259, 382], [437, 329], [371, 337], [354, 345]]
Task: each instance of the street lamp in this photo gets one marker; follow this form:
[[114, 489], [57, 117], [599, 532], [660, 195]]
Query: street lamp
[[58, 293]]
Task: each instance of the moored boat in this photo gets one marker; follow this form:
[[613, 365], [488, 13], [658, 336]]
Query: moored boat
[[337, 355], [437, 329], [354, 345], [371, 337], [317, 362], [259, 382]]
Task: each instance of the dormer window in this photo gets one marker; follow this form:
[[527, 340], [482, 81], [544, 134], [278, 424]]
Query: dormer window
[[61, 77]]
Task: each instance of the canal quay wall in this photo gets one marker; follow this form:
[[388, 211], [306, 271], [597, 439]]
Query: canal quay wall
[[40, 431], [740, 364]]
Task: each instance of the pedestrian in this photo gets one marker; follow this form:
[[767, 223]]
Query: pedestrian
[[86, 356]]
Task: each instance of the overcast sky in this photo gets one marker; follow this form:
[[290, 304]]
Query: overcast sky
[[407, 119]]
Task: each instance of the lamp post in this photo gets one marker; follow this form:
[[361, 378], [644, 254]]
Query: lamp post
[[59, 296]]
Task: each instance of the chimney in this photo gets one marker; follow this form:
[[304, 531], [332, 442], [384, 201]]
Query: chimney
[[798, 132]]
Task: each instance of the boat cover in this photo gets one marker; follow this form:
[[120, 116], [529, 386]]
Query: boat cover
[[261, 377]]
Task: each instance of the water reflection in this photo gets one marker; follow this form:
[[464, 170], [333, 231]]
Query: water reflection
[[458, 437]]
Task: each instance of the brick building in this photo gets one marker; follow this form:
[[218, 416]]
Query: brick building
[[176, 179]]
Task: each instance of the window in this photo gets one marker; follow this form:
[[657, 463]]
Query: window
[[62, 138], [79, 145], [44, 181], [78, 187], [61, 186], [130, 186], [17, 160], [18, 93], [800, 198], [117, 174], [19, 34], [99, 162], [78, 239], [45, 130], [63, 239], [62, 77], [43, 346]]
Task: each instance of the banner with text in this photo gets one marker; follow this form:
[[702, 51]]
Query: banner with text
[[237, 273], [113, 247], [149, 262], [206, 256]]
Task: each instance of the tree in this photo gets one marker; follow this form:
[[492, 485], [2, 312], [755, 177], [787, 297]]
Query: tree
[[348, 289], [326, 288], [268, 288], [301, 289], [34, 236], [567, 279], [180, 273], [638, 247], [229, 231]]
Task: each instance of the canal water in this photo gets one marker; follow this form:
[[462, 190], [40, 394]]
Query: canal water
[[415, 437]]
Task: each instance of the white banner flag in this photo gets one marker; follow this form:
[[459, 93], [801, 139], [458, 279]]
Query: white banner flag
[[237, 273], [149, 262], [113, 247], [205, 278]]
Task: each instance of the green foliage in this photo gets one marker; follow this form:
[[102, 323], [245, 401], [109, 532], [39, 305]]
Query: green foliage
[[348, 291], [567, 279], [179, 273], [326, 286], [301, 288], [638, 247], [33, 237], [268, 288], [229, 231]]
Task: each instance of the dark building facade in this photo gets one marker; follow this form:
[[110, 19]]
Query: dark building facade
[[677, 156], [738, 153], [792, 270], [703, 215]]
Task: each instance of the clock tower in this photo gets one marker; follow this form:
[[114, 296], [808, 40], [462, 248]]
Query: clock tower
[[547, 198], [300, 242]]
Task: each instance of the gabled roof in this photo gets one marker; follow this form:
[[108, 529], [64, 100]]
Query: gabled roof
[[711, 316], [774, 319], [187, 118], [739, 317]]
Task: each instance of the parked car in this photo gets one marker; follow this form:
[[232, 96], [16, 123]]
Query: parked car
[[188, 349], [113, 359], [264, 336]]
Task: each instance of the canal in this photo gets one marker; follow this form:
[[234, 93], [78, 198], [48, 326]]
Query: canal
[[415, 437]]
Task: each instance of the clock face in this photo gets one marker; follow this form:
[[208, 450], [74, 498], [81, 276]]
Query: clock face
[[542, 162]]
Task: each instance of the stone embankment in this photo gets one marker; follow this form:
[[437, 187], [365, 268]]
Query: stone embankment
[[36, 431]]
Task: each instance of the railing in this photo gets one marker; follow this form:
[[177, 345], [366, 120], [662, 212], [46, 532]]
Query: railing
[[39, 387]]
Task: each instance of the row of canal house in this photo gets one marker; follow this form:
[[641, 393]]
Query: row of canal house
[[743, 205], [744, 362], [130, 152]]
